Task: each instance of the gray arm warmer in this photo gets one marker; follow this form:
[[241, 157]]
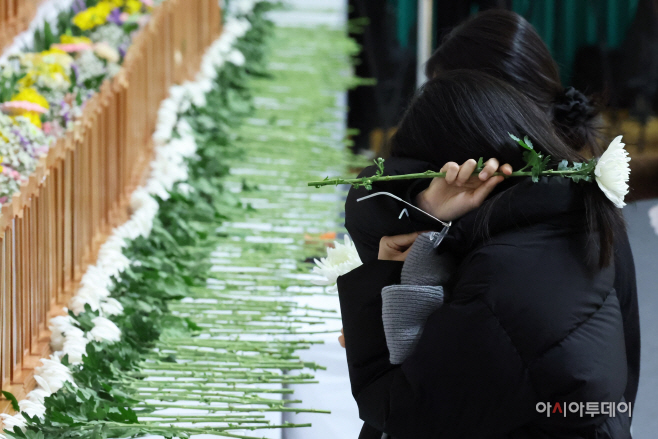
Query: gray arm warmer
[[406, 307]]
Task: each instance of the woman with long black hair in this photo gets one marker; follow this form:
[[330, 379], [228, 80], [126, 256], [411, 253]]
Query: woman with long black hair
[[531, 315], [504, 45]]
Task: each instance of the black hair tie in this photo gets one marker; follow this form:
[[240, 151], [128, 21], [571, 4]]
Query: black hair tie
[[573, 108]]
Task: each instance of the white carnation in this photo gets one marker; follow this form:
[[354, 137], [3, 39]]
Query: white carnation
[[341, 259], [612, 172]]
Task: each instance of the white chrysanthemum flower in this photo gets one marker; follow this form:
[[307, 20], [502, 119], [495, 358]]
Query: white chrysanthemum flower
[[87, 296], [112, 307], [96, 277], [75, 346], [53, 374], [41, 392], [31, 408], [104, 330], [612, 172], [60, 326], [341, 259], [235, 57], [9, 422]]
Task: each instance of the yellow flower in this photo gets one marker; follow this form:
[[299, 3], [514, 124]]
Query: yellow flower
[[57, 56], [133, 6], [54, 70], [53, 51], [28, 80], [94, 16], [31, 95], [68, 39]]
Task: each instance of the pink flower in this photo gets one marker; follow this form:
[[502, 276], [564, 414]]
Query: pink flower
[[23, 105], [75, 47], [148, 3], [11, 173], [124, 17], [3, 200]]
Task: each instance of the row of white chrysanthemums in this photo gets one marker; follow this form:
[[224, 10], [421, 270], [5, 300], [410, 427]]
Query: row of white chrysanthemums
[[168, 168]]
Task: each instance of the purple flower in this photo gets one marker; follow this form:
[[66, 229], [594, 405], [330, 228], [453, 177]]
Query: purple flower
[[22, 139], [115, 17], [123, 49], [79, 5]]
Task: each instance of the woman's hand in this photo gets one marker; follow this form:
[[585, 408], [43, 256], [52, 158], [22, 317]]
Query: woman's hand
[[341, 338], [395, 248], [460, 192]]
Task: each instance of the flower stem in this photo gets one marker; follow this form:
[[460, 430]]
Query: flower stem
[[357, 182]]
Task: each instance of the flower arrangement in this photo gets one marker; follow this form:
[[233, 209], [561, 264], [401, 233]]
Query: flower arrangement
[[611, 171], [21, 145], [48, 85], [114, 11]]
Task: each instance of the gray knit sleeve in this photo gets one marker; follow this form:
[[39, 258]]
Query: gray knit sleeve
[[425, 266], [405, 308]]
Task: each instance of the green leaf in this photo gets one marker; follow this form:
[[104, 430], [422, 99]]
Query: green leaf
[[12, 399], [522, 142], [48, 37], [480, 164], [380, 167]]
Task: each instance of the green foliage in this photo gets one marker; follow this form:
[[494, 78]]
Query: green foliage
[[536, 161], [578, 171], [8, 85], [44, 38], [12, 399]]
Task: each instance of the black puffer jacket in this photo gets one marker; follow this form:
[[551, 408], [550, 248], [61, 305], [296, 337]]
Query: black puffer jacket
[[527, 320]]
